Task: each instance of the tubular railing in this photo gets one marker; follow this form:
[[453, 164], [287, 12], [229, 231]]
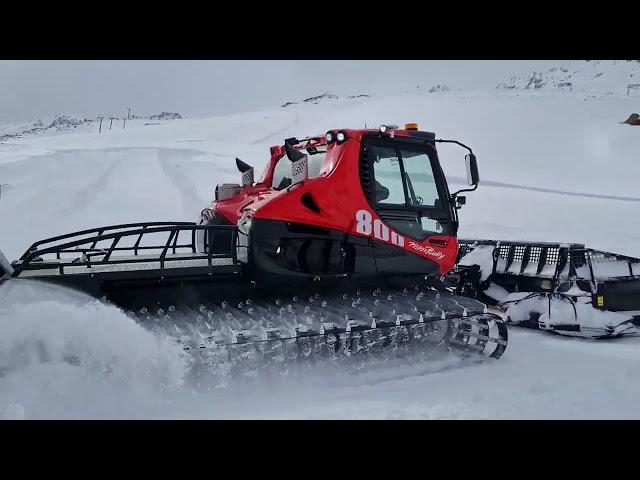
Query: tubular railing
[[87, 253]]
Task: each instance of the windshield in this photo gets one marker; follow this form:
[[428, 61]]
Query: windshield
[[282, 170]]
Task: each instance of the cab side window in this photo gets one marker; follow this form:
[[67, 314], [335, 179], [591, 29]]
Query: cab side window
[[388, 176], [405, 193], [421, 185], [281, 174]]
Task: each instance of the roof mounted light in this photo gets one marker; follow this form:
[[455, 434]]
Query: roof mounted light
[[387, 129], [341, 136], [330, 137], [411, 126]]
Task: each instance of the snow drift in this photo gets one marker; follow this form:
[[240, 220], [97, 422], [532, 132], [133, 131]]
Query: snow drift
[[65, 355]]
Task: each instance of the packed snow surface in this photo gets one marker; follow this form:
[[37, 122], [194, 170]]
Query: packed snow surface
[[68, 356]]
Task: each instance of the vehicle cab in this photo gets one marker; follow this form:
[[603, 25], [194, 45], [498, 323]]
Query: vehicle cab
[[372, 201]]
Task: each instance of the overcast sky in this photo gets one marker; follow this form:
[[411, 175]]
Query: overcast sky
[[29, 89]]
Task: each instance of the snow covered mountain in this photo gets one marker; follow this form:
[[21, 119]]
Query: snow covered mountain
[[55, 123], [166, 116], [65, 123], [598, 76], [439, 88], [322, 98]]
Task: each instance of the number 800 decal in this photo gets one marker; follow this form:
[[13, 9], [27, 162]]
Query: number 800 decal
[[366, 225]]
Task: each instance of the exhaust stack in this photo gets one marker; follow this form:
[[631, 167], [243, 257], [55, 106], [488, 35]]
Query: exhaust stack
[[246, 171], [299, 166]]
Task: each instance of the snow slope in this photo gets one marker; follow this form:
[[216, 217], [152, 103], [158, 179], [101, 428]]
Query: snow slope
[[572, 144]]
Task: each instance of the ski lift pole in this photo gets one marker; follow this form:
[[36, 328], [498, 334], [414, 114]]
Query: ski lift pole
[[2, 185]]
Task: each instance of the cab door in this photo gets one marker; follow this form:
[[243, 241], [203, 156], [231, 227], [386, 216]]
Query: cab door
[[408, 191]]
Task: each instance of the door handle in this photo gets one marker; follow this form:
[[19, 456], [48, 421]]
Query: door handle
[[438, 241]]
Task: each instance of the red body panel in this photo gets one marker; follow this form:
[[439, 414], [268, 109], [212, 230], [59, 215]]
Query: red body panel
[[337, 191]]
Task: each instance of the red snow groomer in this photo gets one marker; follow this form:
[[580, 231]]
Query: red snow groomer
[[337, 249]]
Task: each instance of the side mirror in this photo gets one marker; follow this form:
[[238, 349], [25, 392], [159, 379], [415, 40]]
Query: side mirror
[[299, 166], [247, 172], [473, 177]]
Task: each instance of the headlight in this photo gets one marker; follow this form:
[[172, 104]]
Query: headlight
[[330, 137]]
